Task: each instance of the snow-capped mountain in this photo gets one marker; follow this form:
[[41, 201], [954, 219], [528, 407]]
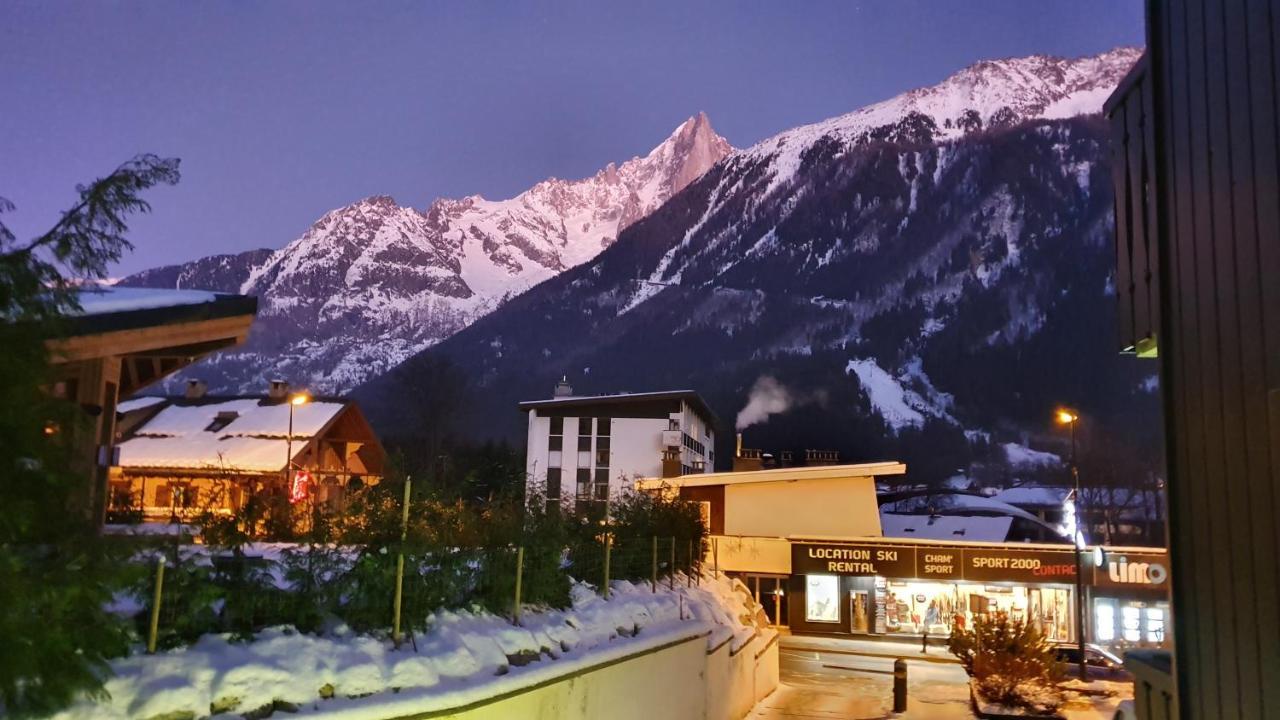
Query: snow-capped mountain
[[371, 283], [923, 278]]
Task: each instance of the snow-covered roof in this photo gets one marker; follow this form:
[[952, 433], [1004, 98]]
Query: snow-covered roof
[[984, 528], [689, 396], [102, 299], [237, 434], [138, 403], [792, 474], [1033, 496]]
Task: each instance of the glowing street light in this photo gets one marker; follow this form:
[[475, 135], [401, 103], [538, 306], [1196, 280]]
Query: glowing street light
[[1069, 418], [295, 400]]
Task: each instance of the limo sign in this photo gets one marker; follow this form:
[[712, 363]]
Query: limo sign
[[1132, 570]]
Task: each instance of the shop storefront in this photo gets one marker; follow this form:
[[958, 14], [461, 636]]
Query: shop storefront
[[1130, 604], [885, 589]]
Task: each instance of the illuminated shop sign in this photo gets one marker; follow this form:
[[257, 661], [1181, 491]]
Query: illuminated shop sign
[[926, 563], [981, 564], [1132, 570], [882, 560], [1045, 566]]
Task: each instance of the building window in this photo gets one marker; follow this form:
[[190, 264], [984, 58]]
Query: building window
[[555, 443], [553, 483], [584, 443], [822, 598], [584, 426], [584, 482], [602, 443]]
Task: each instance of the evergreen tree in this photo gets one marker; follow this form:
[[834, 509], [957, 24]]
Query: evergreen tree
[[56, 576]]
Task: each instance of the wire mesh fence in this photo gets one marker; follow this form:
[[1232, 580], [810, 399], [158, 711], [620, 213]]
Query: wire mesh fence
[[203, 589]]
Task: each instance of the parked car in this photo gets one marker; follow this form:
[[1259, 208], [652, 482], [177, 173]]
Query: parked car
[[1102, 663]]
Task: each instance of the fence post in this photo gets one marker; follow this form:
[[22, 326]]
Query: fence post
[[690, 562], [715, 548], [671, 569], [404, 532], [155, 606], [608, 545], [653, 574], [515, 609]]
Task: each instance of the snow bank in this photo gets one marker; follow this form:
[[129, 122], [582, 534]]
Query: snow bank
[[463, 657]]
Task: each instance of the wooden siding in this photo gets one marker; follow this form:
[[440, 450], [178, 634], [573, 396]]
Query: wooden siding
[[1132, 168], [1213, 86]]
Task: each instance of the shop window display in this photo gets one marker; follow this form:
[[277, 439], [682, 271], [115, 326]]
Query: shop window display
[[822, 598], [934, 608], [1129, 623]]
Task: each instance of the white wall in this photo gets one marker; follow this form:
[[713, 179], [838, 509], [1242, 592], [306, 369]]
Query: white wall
[[635, 447], [635, 450], [833, 507], [682, 681]]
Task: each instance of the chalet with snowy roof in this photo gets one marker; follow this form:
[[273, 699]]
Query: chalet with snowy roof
[[123, 340], [182, 456]]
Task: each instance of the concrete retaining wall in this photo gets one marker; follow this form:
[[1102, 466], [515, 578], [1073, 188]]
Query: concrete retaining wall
[[681, 680]]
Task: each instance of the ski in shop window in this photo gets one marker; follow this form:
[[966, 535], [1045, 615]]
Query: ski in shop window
[[822, 598]]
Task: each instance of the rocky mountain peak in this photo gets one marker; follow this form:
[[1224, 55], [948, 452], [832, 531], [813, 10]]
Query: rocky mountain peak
[[379, 281]]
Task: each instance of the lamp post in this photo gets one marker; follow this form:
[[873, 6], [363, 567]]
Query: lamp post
[[294, 400], [1069, 418]]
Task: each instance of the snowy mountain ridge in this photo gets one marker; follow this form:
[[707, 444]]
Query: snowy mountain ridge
[[378, 281], [988, 93], [913, 284]]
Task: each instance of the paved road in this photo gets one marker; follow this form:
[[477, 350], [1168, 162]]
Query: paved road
[[823, 683]]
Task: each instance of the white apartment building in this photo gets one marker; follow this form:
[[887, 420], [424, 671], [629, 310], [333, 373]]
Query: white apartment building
[[588, 448]]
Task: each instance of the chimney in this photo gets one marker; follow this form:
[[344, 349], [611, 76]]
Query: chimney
[[196, 389], [746, 460], [278, 389], [563, 388], [821, 457]]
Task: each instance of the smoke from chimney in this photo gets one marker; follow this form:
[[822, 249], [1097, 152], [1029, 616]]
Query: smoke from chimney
[[768, 397]]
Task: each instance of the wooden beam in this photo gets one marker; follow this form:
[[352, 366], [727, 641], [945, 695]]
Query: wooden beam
[[229, 331]]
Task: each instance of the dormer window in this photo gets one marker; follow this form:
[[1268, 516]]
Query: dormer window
[[223, 419]]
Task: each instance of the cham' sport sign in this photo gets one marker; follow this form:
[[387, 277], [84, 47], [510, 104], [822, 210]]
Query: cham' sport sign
[[909, 561]]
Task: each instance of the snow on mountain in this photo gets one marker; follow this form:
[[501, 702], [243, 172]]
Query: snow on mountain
[[928, 265], [986, 94], [373, 282]]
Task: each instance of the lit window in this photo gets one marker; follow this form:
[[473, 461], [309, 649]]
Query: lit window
[[822, 598], [1131, 617], [1104, 614]]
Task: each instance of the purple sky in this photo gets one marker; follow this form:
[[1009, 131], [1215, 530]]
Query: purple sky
[[282, 111]]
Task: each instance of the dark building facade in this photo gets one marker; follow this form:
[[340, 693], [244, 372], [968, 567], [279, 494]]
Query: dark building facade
[[1198, 279]]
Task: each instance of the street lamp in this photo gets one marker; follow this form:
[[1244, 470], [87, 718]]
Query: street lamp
[[1069, 418], [296, 399]]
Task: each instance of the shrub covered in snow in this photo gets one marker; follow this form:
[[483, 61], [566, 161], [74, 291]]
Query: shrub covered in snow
[[1010, 661]]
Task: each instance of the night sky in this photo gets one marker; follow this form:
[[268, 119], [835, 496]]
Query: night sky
[[282, 111]]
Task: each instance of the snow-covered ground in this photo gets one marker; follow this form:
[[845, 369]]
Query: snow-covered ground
[[463, 657]]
